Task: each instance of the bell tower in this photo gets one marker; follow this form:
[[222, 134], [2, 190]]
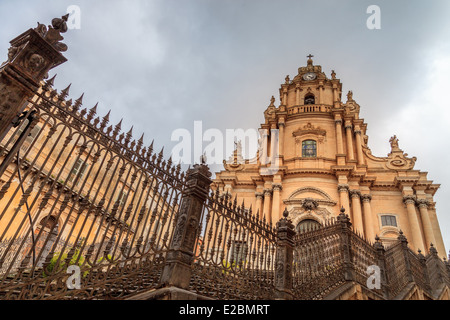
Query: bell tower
[[321, 162]]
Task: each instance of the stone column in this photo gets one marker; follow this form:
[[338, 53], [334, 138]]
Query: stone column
[[436, 229], [414, 226], [281, 126], [359, 152], [276, 201], [297, 95], [284, 258], [368, 219], [177, 270], [339, 140], [259, 204], [30, 57], [320, 93], [348, 131], [284, 98], [267, 204], [357, 214], [343, 197], [427, 228]]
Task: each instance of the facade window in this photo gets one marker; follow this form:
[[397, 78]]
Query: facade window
[[309, 149], [388, 220], [78, 169], [122, 198], [239, 252], [307, 225], [310, 99], [31, 136]]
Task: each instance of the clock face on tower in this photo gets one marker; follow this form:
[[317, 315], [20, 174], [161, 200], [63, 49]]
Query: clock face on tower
[[309, 76]]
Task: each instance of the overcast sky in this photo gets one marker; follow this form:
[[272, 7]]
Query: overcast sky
[[161, 65]]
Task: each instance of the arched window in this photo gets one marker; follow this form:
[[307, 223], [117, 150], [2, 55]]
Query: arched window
[[49, 224], [309, 149], [310, 99], [308, 225]]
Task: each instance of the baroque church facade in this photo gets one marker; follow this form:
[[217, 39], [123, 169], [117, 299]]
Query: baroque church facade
[[318, 145]]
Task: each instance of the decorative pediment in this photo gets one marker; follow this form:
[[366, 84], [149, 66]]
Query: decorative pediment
[[309, 198], [309, 129]]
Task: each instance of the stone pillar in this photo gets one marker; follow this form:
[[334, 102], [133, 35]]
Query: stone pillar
[[276, 201], [30, 57], [359, 152], [267, 204], [339, 139], [284, 98], [284, 258], [369, 226], [381, 263], [297, 95], [436, 269], [356, 210], [259, 204], [427, 228], [348, 131], [320, 92], [177, 270], [281, 126], [343, 196], [423, 264], [345, 224], [405, 248], [414, 226], [436, 229]]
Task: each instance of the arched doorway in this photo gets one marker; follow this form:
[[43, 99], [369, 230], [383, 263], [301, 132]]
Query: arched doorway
[[307, 225]]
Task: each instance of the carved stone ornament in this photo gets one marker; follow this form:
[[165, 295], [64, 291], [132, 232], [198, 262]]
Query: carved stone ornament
[[397, 159], [310, 204], [52, 34], [34, 63], [366, 198], [423, 203], [309, 129], [409, 199], [350, 96], [351, 107], [236, 161]]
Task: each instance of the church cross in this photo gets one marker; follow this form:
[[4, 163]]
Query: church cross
[[310, 56]]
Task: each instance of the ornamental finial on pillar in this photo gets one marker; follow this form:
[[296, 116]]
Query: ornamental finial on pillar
[[52, 34]]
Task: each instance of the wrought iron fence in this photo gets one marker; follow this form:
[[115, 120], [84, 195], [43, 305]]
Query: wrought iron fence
[[75, 190], [80, 180], [234, 257], [318, 262]]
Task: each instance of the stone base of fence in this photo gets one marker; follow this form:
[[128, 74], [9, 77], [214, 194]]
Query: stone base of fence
[[168, 293]]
